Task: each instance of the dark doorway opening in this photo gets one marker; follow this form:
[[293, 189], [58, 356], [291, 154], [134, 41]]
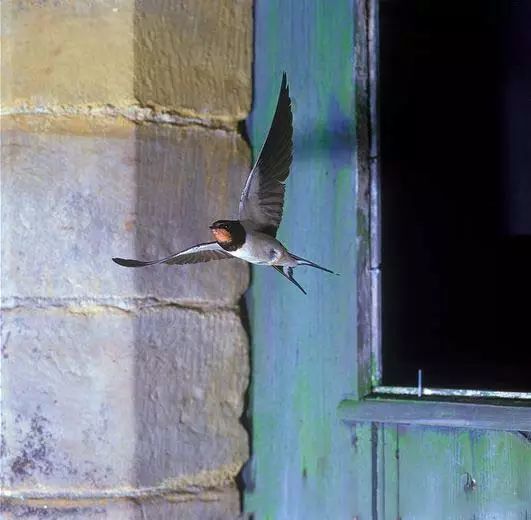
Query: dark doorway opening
[[455, 143]]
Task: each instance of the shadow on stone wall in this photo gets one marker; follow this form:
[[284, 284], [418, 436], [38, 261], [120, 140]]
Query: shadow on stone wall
[[191, 359]]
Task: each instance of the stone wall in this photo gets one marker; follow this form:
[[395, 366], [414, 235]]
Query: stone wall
[[122, 389]]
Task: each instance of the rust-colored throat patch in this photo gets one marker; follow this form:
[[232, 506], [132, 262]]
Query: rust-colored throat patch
[[221, 235]]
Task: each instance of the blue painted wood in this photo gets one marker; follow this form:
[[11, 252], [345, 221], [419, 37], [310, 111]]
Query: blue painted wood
[[306, 464], [304, 347], [507, 416], [453, 473]]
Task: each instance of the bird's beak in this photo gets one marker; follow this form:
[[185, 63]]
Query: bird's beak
[[212, 226]]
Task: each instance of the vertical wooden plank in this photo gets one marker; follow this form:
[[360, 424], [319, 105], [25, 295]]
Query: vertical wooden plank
[[365, 462], [458, 473], [389, 474], [304, 347]]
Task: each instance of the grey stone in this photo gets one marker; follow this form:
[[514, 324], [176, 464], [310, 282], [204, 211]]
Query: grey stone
[[71, 201], [214, 506], [105, 399]]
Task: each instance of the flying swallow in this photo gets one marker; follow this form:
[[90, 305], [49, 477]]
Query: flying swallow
[[253, 236]]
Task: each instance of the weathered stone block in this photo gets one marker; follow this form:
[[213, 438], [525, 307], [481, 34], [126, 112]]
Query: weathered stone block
[[194, 56], [191, 56], [76, 193], [57, 53], [110, 399]]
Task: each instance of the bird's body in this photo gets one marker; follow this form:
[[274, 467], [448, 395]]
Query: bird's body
[[253, 237], [262, 249]]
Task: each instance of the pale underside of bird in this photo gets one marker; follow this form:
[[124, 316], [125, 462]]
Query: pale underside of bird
[[253, 236]]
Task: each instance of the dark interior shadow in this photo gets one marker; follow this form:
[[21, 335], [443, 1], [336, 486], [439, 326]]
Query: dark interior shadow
[[456, 193]]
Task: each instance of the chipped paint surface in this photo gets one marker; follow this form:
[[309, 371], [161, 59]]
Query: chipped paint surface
[[304, 346], [304, 464], [453, 473]]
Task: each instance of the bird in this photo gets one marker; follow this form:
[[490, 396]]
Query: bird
[[253, 236]]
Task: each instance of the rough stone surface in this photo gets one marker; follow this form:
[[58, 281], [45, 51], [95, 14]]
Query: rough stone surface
[[75, 194], [213, 506], [194, 55], [62, 52], [122, 389], [189, 56], [100, 399]]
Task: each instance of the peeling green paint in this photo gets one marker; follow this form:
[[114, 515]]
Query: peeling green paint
[[375, 371], [462, 473], [363, 228], [304, 348], [307, 463]]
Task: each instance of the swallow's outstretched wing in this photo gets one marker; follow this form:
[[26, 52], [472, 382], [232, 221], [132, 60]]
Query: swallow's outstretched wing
[[193, 255], [262, 199]]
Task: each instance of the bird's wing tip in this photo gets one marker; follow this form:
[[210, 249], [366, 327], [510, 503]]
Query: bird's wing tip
[[119, 261], [127, 263]]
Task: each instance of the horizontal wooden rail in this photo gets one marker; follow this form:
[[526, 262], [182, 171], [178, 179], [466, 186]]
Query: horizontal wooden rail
[[487, 415]]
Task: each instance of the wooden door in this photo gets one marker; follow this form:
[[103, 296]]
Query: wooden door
[[310, 353]]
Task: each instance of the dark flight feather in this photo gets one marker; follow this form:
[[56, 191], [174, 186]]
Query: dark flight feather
[[262, 199]]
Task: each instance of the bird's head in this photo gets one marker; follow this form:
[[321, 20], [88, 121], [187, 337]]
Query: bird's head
[[228, 232]]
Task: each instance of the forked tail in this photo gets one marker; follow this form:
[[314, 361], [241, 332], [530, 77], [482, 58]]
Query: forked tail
[[288, 273], [303, 261]]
